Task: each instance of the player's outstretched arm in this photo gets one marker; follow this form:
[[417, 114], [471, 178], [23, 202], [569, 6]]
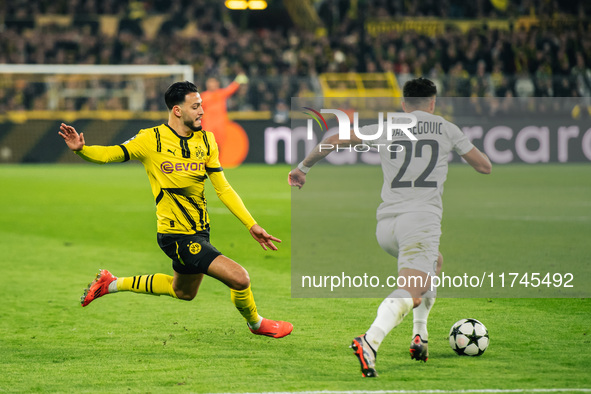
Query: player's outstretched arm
[[297, 176], [94, 153], [74, 140], [263, 238], [478, 160]]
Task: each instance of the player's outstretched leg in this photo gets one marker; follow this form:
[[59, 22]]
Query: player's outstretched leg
[[419, 349], [366, 356], [98, 287], [105, 283]]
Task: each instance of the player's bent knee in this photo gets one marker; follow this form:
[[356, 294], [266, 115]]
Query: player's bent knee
[[416, 302], [241, 282], [416, 294], [186, 297], [181, 295]]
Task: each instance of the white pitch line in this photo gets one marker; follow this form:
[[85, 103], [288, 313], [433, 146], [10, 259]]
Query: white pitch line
[[492, 391]]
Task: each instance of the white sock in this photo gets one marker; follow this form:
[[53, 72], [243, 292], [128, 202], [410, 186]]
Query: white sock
[[421, 314], [390, 313], [257, 325], [113, 286]]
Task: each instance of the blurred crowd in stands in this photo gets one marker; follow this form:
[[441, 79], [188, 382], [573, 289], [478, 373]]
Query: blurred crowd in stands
[[546, 60]]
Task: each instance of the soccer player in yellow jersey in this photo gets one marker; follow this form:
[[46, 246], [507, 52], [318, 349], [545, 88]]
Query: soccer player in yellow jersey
[[178, 156]]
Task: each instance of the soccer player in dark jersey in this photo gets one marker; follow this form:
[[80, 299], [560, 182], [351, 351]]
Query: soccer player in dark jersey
[[178, 156]]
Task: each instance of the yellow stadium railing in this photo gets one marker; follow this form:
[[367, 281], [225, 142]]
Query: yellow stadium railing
[[358, 87], [72, 116]]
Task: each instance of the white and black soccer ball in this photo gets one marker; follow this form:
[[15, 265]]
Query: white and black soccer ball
[[468, 337]]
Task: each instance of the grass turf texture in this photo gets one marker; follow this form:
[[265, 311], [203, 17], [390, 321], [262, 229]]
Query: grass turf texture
[[60, 224]]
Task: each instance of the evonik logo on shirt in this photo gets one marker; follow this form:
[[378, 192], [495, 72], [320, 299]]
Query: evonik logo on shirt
[[168, 167]]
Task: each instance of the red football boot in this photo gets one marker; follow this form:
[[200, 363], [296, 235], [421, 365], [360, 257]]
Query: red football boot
[[272, 328], [98, 287]]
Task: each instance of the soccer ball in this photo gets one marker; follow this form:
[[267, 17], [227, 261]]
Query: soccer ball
[[468, 337]]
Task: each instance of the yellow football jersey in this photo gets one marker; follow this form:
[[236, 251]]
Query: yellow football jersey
[[177, 168]]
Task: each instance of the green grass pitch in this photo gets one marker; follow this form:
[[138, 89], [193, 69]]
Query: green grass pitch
[[60, 224]]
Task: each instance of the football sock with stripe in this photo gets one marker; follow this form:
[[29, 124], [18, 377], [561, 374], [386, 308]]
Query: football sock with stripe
[[244, 302], [157, 284], [421, 314], [391, 312]]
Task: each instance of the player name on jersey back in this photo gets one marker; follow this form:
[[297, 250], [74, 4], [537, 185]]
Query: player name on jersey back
[[422, 127]]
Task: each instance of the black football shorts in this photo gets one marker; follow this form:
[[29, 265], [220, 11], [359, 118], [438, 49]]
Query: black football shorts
[[190, 253]]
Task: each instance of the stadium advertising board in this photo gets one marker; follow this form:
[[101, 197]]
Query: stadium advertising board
[[511, 140], [548, 131], [533, 131]]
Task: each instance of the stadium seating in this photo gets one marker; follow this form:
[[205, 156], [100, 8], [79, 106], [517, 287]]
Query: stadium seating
[[534, 57]]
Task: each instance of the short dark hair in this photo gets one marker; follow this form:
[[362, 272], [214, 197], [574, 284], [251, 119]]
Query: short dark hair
[[175, 94], [418, 91]]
